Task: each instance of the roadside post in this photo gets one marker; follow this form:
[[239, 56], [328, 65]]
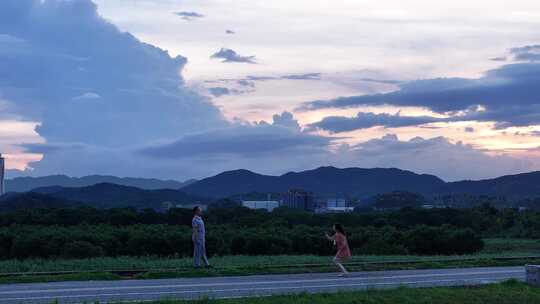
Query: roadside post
[[533, 275]]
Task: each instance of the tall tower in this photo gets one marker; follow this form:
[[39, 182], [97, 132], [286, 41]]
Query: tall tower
[[2, 174]]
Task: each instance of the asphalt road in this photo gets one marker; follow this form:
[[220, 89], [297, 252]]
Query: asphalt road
[[231, 287]]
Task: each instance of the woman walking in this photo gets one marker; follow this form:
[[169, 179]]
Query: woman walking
[[343, 251]]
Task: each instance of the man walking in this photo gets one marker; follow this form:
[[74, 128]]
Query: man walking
[[198, 237]]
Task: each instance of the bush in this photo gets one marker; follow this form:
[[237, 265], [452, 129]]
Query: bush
[[81, 250], [49, 233], [426, 240]]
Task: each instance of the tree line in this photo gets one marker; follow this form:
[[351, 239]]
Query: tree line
[[83, 241], [88, 232]]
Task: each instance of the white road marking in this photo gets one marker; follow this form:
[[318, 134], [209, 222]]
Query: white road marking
[[346, 279], [203, 292]]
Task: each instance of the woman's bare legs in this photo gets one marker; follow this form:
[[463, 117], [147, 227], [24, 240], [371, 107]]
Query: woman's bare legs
[[337, 261]]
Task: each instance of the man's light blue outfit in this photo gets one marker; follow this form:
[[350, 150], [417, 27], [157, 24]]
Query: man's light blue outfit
[[199, 242]]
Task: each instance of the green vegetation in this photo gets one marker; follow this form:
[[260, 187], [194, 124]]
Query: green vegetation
[[85, 243], [86, 232], [510, 292], [495, 248], [106, 268]]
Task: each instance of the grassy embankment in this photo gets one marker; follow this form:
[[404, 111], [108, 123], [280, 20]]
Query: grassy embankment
[[510, 292], [154, 267]]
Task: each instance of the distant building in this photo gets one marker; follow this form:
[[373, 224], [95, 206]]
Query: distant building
[[333, 205], [299, 199], [336, 203], [2, 175], [335, 210], [267, 205]]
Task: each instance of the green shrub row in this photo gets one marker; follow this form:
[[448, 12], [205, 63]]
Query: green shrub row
[[83, 241]]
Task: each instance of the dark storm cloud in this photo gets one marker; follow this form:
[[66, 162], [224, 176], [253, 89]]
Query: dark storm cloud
[[229, 55]]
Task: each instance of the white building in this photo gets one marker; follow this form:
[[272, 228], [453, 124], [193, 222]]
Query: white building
[[336, 203], [2, 175], [268, 205]]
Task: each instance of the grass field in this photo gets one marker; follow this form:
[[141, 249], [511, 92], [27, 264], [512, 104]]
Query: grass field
[[511, 292], [156, 267]]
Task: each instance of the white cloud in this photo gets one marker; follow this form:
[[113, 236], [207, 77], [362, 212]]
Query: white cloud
[[438, 156], [87, 95], [58, 50]]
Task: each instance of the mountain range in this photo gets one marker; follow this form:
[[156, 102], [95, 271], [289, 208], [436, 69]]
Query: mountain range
[[103, 195], [324, 182], [364, 183], [25, 184]]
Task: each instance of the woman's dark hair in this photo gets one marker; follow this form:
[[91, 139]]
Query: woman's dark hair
[[195, 209], [339, 228]]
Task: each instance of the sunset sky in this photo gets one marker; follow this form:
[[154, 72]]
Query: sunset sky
[[189, 88]]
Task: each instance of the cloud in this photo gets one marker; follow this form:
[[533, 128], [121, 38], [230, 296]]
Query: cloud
[[86, 82], [219, 91], [498, 59], [230, 32], [87, 95], [261, 78], [281, 137], [246, 83], [384, 81], [363, 120], [439, 156], [529, 53], [286, 119], [509, 96], [229, 55], [123, 108], [189, 16], [308, 76]]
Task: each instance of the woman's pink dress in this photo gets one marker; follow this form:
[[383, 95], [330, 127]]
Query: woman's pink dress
[[343, 251]]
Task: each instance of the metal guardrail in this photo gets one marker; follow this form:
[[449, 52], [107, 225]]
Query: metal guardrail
[[132, 272]]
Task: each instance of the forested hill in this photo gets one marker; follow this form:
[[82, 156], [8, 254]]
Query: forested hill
[[328, 181], [24, 184], [364, 183], [525, 185], [99, 196], [325, 181]]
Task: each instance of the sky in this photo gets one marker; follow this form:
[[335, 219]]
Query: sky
[[190, 88]]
